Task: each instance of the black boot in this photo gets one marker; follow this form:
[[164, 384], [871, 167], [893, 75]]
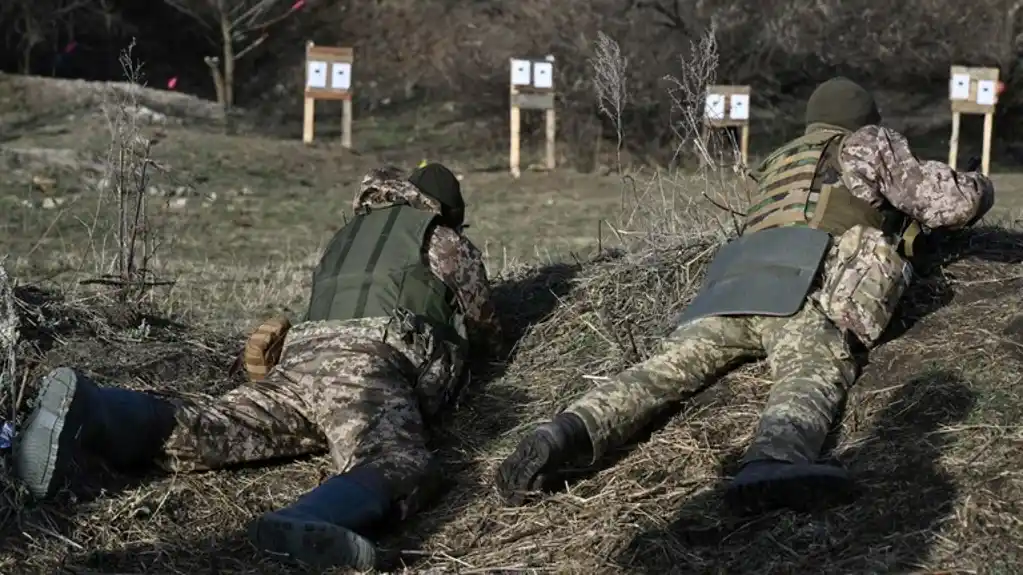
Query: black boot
[[542, 452], [126, 428], [322, 529], [762, 486]]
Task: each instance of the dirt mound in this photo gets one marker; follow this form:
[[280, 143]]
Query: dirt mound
[[932, 431], [38, 103]]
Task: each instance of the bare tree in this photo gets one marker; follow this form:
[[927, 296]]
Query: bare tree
[[237, 27], [34, 23]]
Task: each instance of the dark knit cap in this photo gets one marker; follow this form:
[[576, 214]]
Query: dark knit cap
[[843, 103], [441, 184]]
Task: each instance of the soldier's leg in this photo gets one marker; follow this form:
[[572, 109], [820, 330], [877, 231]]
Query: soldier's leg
[[690, 358], [131, 428], [813, 368], [378, 441], [257, 421]]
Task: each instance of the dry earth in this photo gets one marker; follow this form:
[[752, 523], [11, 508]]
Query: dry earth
[[933, 430]]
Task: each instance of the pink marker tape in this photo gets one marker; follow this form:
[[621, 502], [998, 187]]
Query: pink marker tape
[[297, 5], [72, 45], [172, 83]]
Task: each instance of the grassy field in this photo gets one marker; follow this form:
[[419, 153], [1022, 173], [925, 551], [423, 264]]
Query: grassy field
[[933, 431]]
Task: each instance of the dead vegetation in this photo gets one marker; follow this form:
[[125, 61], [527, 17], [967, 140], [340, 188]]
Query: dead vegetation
[[932, 430]]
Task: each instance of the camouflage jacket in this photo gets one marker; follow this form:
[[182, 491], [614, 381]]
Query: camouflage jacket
[[450, 255], [864, 276]]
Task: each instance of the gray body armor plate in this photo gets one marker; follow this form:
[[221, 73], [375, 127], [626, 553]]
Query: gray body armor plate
[[769, 272]]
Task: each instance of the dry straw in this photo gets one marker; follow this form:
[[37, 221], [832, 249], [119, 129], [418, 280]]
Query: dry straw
[[932, 430]]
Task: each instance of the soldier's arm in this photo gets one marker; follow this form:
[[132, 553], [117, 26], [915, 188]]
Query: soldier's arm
[[930, 192], [459, 264]]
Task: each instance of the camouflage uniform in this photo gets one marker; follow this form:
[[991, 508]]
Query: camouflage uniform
[[810, 350], [360, 388], [364, 388], [810, 357]]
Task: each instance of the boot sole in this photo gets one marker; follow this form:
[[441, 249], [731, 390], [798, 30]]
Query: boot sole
[[796, 493], [313, 543], [47, 443], [263, 348], [516, 481]]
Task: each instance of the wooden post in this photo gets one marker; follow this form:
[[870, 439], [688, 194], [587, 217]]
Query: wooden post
[[531, 88], [953, 140], [346, 123], [973, 91], [328, 76], [728, 107], [309, 120], [551, 121], [985, 157], [516, 126], [744, 143]]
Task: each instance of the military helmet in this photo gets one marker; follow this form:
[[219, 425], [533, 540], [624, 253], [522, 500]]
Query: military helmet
[[843, 103], [441, 184]]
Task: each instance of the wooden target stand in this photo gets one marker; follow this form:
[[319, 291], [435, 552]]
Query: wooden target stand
[[531, 88], [973, 91], [328, 76], [728, 107]]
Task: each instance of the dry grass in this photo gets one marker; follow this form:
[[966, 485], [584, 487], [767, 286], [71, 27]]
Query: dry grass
[[932, 431]]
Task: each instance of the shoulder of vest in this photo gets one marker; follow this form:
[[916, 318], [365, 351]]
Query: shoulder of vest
[[817, 137], [404, 211]]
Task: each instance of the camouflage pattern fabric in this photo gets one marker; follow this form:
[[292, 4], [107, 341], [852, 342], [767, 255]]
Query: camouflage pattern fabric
[[809, 353], [389, 186], [810, 361], [364, 389], [450, 255], [864, 283], [879, 167], [354, 388]]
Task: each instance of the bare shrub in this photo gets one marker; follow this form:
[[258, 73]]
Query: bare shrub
[[122, 206], [8, 347], [609, 76], [674, 207]]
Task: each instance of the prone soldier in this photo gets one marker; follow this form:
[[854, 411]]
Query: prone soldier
[[817, 273], [400, 304]]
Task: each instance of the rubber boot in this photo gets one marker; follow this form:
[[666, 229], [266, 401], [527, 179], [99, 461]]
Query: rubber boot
[[538, 455], [762, 486], [322, 529], [126, 428]]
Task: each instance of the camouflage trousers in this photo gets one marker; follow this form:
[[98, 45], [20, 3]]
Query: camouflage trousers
[[810, 359], [351, 388]]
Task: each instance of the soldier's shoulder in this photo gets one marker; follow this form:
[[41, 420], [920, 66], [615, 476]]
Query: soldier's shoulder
[[866, 136]]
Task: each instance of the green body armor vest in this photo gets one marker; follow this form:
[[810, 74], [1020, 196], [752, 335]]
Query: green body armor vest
[[375, 265], [800, 184]]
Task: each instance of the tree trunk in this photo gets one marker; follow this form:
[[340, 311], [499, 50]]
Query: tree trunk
[[218, 79], [228, 69]]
